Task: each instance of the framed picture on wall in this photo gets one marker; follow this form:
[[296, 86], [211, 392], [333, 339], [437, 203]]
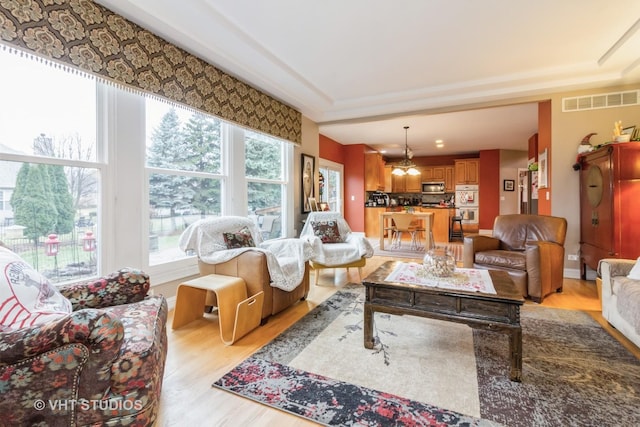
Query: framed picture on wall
[[307, 188], [509, 185], [543, 169]]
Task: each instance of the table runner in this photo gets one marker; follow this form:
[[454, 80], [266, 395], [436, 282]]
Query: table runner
[[463, 279]]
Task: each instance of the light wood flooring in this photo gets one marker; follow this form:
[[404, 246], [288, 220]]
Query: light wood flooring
[[197, 357]]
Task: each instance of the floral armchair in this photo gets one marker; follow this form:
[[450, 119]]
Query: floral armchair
[[100, 364]]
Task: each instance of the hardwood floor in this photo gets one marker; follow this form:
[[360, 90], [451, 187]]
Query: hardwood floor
[[197, 357]]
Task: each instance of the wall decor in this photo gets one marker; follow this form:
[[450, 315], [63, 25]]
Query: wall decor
[[543, 168], [307, 173], [509, 185]]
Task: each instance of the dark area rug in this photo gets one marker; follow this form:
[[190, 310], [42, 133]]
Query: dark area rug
[[574, 374]]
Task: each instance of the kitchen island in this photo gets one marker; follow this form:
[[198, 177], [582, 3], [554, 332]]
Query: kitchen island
[[425, 217], [440, 220]]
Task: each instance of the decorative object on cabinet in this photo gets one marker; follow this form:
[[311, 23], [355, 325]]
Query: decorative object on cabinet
[[405, 166], [509, 185], [313, 204], [307, 174], [543, 169], [609, 204]]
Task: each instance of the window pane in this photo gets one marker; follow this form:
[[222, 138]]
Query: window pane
[[175, 201], [263, 156], [179, 139], [51, 219], [46, 110], [265, 207]]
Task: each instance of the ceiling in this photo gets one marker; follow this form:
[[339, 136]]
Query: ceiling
[[364, 69]]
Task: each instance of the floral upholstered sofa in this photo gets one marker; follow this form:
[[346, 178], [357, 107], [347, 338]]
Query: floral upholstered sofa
[[94, 357]]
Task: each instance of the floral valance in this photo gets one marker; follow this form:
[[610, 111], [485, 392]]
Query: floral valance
[[89, 37]]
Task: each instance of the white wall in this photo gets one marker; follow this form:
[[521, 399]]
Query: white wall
[[510, 161]]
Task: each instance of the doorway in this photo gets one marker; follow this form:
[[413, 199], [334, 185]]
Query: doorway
[[331, 176]]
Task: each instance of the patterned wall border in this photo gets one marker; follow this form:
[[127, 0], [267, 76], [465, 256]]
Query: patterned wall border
[[87, 36]]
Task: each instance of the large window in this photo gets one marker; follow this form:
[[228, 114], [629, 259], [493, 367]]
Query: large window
[[184, 160], [50, 174], [265, 175], [94, 177]]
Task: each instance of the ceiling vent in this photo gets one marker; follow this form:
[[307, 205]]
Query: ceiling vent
[[605, 100]]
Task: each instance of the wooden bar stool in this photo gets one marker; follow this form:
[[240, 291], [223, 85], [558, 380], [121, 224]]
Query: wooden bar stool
[[453, 233]]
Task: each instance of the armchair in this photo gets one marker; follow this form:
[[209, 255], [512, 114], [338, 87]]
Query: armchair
[[334, 244], [101, 363], [528, 247], [278, 267]]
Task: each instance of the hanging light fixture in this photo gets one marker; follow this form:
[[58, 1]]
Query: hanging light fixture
[[406, 166]]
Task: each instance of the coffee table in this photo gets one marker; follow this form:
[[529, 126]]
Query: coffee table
[[498, 312]]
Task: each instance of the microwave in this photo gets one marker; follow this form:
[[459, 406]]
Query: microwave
[[437, 187]]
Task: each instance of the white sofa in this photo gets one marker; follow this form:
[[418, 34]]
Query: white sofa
[[621, 297]]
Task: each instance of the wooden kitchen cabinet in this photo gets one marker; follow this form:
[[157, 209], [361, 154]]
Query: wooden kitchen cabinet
[[450, 179], [406, 183], [373, 172], [372, 221], [467, 171], [440, 223], [609, 204]]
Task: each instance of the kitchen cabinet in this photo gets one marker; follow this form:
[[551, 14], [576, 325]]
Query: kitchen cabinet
[[467, 171], [406, 183], [372, 221], [440, 223], [449, 179], [373, 172], [609, 204]]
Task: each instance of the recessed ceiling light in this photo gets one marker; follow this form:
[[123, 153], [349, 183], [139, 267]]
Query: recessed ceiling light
[[439, 141]]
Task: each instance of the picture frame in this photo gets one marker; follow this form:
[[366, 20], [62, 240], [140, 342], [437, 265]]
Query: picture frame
[[307, 184], [313, 204], [630, 130], [509, 185], [543, 167]]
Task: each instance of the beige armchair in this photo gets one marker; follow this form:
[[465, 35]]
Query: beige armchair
[[528, 247]]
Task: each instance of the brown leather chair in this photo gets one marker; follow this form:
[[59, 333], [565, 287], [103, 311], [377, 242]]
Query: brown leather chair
[[528, 247]]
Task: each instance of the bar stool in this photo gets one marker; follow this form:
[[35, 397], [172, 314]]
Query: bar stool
[[453, 233]]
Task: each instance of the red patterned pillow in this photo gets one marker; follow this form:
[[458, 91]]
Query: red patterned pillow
[[240, 239], [327, 231]]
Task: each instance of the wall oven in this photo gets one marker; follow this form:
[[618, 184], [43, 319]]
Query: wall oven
[[436, 187], [467, 203]]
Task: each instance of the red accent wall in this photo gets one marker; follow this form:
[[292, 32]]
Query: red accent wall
[[330, 150], [544, 141], [489, 192], [354, 186]]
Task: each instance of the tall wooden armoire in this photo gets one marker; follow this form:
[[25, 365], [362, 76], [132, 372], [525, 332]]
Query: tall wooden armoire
[[609, 204]]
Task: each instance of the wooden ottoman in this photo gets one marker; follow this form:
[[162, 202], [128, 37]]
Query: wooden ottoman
[[237, 313]]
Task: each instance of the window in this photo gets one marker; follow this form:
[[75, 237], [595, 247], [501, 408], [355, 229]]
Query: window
[[118, 175], [184, 160], [50, 176], [264, 170], [330, 188]]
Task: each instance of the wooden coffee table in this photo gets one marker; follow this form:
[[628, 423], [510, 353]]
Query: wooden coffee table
[[494, 312]]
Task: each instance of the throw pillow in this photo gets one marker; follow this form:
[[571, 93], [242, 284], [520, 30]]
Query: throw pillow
[[27, 298], [635, 271], [327, 231], [240, 239]]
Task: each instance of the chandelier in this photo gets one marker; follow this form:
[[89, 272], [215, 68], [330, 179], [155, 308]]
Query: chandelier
[[406, 166]]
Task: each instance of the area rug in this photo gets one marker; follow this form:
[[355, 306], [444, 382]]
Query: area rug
[[427, 372]]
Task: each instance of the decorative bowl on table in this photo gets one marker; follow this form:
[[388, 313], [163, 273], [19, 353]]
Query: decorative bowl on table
[[439, 262]]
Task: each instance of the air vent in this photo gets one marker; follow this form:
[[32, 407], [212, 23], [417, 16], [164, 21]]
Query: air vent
[[604, 100]]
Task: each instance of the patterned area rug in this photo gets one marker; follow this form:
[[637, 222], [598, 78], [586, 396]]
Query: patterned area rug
[[574, 373]]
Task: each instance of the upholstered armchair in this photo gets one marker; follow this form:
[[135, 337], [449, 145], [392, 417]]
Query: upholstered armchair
[[528, 247], [334, 244], [233, 246], [101, 363]]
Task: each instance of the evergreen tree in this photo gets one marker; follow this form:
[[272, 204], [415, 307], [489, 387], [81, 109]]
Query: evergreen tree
[[32, 201], [62, 199], [263, 160], [202, 149], [166, 149]]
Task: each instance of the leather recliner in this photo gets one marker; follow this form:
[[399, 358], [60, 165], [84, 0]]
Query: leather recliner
[[528, 247]]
